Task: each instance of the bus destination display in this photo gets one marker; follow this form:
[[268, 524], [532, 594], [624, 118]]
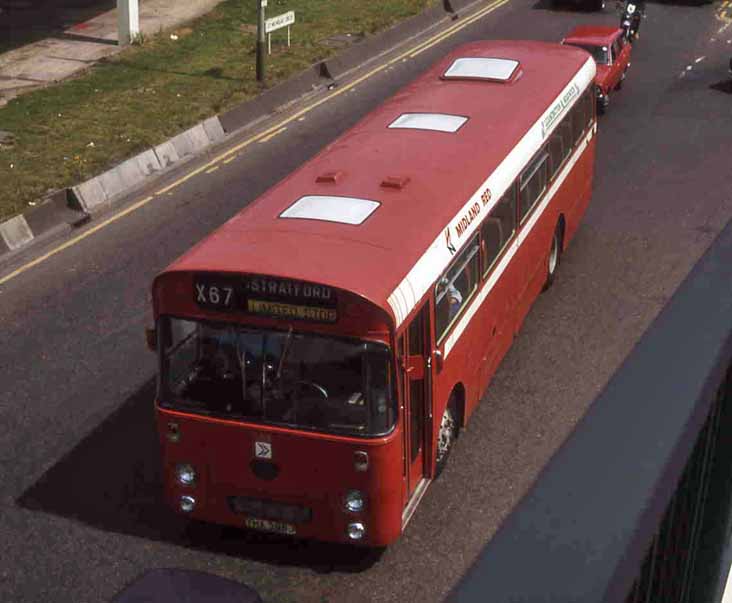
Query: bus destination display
[[266, 296]]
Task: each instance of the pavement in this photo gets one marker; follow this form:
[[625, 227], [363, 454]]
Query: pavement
[[73, 46], [46, 41]]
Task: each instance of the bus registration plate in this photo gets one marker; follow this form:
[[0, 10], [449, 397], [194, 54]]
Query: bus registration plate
[[265, 525]]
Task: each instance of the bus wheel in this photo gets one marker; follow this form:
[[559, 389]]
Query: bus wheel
[[555, 256], [447, 436]]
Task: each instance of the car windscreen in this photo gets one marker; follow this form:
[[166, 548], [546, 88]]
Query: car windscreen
[[288, 378], [599, 53]]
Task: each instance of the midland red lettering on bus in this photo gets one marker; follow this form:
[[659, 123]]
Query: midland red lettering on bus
[[467, 219]]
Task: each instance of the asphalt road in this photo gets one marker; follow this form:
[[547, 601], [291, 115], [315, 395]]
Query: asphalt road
[[81, 512]]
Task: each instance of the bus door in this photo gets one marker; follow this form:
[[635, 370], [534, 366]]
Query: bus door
[[416, 385]]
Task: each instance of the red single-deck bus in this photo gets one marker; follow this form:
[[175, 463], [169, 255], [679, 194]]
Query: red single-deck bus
[[320, 351]]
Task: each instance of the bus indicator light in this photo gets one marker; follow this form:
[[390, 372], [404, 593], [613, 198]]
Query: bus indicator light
[[173, 433], [360, 460]]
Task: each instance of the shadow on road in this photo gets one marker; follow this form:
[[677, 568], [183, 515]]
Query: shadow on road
[[723, 86], [111, 480], [553, 6]]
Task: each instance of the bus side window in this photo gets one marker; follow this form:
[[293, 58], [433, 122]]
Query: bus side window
[[456, 286], [498, 228], [533, 182], [565, 131], [589, 100], [556, 152], [579, 119], [584, 112]]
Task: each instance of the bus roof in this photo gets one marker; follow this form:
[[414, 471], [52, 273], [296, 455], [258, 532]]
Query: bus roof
[[408, 186]]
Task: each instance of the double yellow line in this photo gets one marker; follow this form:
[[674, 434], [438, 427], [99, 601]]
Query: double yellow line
[[263, 136]]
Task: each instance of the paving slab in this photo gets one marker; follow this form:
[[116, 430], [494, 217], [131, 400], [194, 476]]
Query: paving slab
[[16, 232], [191, 141], [166, 154], [213, 129], [90, 194]]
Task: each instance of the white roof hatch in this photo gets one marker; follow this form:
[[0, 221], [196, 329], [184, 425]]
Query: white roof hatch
[[485, 68], [440, 122], [330, 208]]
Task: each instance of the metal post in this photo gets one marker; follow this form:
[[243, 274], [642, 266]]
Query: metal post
[[260, 39], [128, 21]]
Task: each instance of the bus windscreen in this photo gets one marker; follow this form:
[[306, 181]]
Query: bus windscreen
[[298, 380]]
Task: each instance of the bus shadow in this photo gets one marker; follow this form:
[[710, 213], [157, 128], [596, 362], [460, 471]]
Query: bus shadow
[[112, 481], [723, 86]]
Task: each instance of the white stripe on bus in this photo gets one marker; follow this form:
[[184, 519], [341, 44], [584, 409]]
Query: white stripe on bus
[[511, 252], [437, 257]]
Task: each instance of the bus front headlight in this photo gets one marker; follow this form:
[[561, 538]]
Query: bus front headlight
[[185, 474], [354, 502]]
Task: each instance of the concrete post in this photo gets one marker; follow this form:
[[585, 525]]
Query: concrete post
[[128, 21]]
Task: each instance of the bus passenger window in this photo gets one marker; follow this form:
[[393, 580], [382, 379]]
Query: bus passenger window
[[498, 229], [579, 119], [533, 183], [565, 131], [456, 286], [556, 152], [589, 102]]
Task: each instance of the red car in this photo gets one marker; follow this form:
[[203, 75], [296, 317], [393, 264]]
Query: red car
[[611, 53]]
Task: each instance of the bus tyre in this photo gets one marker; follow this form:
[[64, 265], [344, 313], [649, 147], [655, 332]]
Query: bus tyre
[[555, 256], [447, 436]]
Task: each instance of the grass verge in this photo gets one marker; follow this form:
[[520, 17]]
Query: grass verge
[[72, 131]]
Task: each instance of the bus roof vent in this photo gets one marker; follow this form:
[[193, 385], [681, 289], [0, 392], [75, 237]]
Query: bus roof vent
[[396, 182], [440, 122], [330, 177], [476, 68], [346, 210]]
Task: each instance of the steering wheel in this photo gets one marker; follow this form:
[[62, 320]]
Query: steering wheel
[[318, 388]]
